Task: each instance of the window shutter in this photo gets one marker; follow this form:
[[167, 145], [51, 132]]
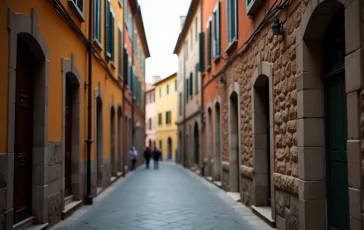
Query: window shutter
[[112, 37], [132, 80], [235, 13], [126, 67], [202, 52], [196, 78], [119, 52], [191, 84], [209, 44], [229, 20], [187, 91], [107, 28], [217, 31], [97, 22]]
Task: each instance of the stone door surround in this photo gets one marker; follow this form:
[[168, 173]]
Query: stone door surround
[[260, 131], [70, 72], [310, 112], [217, 171], [20, 25], [99, 140]]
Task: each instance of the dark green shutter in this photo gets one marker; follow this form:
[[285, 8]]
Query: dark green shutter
[[97, 22], [126, 67], [112, 37], [187, 91], [196, 78], [209, 44], [132, 80], [202, 52], [216, 45], [191, 84], [107, 28], [119, 52]]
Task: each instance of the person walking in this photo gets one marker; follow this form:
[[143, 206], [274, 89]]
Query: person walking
[[147, 156], [134, 157], [156, 156]]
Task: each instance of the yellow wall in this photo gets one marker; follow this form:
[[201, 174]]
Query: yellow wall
[[62, 41], [163, 104]]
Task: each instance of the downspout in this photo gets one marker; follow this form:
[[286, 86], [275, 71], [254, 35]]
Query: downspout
[[185, 161], [89, 141], [124, 88], [202, 112]]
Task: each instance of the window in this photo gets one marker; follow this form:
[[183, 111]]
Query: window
[[232, 22], [168, 117], [175, 85], [159, 119], [167, 89], [160, 144], [78, 5], [97, 22], [109, 31], [202, 52], [160, 92], [196, 78], [187, 91], [180, 103], [120, 52], [216, 41], [191, 85], [208, 27], [150, 123]]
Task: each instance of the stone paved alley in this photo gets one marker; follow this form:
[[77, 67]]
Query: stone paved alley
[[170, 198]]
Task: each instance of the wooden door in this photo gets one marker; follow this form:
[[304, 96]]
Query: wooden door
[[23, 133], [337, 168], [68, 138]]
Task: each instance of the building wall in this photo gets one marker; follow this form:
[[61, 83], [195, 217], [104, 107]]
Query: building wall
[[151, 112], [163, 104]]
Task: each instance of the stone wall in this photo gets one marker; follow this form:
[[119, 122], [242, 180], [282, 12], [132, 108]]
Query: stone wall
[[55, 176], [287, 210], [3, 189]]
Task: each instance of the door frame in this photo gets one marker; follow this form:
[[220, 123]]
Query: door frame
[[70, 72], [310, 119], [27, 27]]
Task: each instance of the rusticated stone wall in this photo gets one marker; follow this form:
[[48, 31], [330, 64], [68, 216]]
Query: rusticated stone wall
[[55, 191]]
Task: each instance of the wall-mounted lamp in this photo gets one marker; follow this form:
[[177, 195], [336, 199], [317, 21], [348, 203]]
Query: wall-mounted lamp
[[277, 27], [222, 80]]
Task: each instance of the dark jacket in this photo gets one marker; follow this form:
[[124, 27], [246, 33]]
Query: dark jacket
[[156, 155], [147, 154]]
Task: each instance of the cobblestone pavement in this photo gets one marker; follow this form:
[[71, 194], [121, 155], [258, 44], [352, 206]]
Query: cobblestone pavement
[[168, 198]]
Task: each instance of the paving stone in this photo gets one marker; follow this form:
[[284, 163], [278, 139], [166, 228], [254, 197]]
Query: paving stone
[[170, 198]]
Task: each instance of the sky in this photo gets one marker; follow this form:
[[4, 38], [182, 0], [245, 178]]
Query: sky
[[162, 26]]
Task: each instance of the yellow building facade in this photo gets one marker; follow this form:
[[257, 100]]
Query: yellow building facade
[[166, 115], [52, 116]]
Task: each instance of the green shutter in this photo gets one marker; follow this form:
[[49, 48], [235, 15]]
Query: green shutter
[[131, 80], [191, 84], [196, 78], [97, 22], [202, 52], [216, 40], [209, 44], [112, 37], [126, 67], [119, 52], [187, 91], [107, 28]]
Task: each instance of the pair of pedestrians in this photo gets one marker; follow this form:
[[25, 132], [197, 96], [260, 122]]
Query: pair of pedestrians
[[155, 153]]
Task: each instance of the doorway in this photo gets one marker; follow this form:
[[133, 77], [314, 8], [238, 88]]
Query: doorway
[[217, 144], [68, 138], [119, 167], [209, 142], [196, 145], [112, 142], [23, 132], [169, 148], [234, 173], [99, 143]]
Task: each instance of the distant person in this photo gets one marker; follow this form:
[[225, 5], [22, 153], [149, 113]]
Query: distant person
[[147, 156], [156, 157], [133, 157]]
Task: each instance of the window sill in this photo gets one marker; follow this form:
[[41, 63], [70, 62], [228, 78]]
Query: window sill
[[79, 14], [98, 44], [217, 58], [120, 4], [113, 64], [120, 77], [231, 46], [208, 68]]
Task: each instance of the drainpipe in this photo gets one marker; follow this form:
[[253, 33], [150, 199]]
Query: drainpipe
[[89, 141], [185, 164], [124, 115]]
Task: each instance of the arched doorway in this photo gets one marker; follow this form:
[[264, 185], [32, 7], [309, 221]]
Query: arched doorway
[[209, 142], [68, 138], [324, 58], [196, 145], [150, 143], [261, 141], [112, 142], [119, 140], [217, 144], [169, 148], [99, 142], [24, 113], [234, 175]]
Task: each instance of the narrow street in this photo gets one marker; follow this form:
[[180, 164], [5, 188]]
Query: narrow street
[[170, 198]]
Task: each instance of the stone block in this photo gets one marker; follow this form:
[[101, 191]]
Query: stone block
[[260, 141], [353, 112], [355, 203], [353, 71], [260, 180], [352, 26], [3, 200], [40, 198], [312, 190], [354, 163], [308, 80], [313, 214], [3, 167], [355, 224], [260, 162], [54, 208], [260, 195], [310, 103], [311, 158], [310, 132], [280, 223], [9, 219]]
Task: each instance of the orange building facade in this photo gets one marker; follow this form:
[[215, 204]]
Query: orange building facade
[[54, 119]]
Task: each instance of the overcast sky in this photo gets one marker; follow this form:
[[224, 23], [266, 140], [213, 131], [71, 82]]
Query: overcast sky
[[162, 25]]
